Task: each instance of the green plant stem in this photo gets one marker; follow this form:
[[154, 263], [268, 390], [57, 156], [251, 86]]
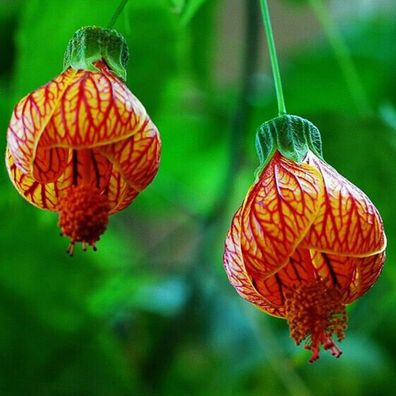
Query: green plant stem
[[343, 57], [273, 57], [117, 13]]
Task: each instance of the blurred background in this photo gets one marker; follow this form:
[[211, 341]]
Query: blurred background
[[152, 312]]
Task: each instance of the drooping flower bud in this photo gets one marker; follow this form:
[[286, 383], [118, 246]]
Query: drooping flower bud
[[305, 242], [82, 144]]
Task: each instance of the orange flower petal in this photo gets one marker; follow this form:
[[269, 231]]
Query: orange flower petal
[[88, 167], [297, 271], [49, 163], [353, 276], [95, 109], [30, 118], [278, 212], [119, 194], [236, 272], [43, 196], [336, 271], [367, 270], [347, 223], [137, 157]]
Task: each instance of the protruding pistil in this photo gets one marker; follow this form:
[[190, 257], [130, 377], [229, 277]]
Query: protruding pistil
[[316, 313], [83, 215]]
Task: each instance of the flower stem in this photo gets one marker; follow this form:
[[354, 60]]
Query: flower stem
[[273, 57], [117, 13], [343, 57]]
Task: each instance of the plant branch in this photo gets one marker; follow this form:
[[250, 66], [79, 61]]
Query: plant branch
[[117, 13], [273, 57]]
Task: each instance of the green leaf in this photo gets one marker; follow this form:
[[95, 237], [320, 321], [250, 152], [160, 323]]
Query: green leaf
[[291, 135], [266, 144], [91, 44]]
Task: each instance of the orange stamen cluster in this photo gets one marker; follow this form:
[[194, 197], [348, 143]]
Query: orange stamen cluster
[[83, 215], [315, 313]]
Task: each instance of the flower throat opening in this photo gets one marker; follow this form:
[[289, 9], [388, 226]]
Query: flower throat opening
[[315, 313]]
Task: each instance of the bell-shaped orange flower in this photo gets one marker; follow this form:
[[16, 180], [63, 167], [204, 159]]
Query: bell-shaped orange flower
[[83, 145], [305, 241]]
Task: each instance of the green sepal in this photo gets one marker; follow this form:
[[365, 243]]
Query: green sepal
[[90, 44], [291, 135]]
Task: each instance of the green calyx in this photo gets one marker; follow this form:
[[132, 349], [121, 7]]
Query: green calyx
[[91, 44], [291, 135]]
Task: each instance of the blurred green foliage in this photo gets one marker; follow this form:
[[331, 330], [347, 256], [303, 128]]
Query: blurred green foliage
[[152, 313]]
